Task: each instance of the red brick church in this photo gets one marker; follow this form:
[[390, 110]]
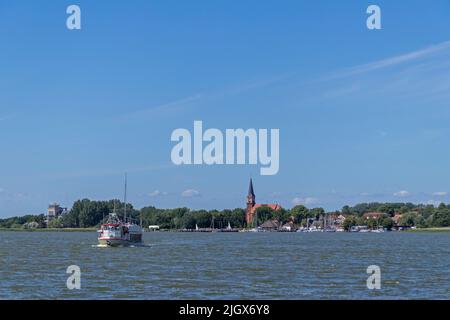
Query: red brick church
[[252, 206]]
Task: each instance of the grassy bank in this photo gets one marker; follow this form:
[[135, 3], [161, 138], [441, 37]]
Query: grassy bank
[[440, 229], [49, 230]]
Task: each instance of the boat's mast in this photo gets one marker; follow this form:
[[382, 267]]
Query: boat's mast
[[125, 200]]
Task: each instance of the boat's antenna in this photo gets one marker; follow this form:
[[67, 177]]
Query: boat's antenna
[[125, 200]]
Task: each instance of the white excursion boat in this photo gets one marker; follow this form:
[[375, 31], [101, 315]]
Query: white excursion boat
[[116, 232]]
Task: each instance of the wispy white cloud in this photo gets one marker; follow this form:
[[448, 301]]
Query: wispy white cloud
[[189, 101], [154, 193], [335, 92], [392, 61], [251, 85], [157, 193], [440, 194], [190, 193], [402, 193], [305, 201], [171, 106], [421, 74]]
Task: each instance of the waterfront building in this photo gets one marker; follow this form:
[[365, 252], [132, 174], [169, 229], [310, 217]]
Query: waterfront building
[[55, 211], [270, 225], [252, 206]]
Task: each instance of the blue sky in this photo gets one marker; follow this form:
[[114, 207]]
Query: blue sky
[[363, 115]]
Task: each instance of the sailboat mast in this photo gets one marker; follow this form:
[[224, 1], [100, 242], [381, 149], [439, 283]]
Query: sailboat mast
[[125, 200]]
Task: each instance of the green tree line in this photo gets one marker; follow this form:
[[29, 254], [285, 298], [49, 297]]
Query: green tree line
[[87, 213]]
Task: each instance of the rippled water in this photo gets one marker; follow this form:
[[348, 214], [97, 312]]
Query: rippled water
[[226, 266]]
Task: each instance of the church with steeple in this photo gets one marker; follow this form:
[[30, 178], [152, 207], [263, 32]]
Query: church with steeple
[[252, 205]]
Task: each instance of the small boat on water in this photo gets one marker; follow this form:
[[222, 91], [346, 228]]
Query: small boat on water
[[116, 232]]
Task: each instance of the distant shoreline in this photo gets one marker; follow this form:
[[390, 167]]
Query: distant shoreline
[[435, 229], [49, 229]]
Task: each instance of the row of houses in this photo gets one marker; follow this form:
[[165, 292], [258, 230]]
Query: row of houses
[[331, 221], [290, 226]]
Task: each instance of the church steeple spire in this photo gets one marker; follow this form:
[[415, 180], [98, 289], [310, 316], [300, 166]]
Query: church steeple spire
[[250, 189], [250, 204]]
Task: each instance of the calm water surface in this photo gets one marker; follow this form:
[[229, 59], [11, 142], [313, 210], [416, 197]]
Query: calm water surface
[[227, 266]]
